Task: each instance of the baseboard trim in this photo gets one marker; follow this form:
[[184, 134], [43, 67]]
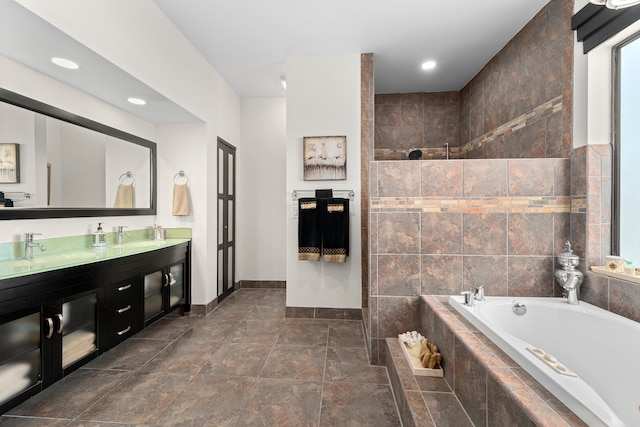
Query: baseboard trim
[[203, 310], [324, 313], [261, 284]]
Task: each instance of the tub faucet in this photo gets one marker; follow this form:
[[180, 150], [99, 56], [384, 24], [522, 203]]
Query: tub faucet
[[122, 234], [478, 295], [569, 277], [29, 244]]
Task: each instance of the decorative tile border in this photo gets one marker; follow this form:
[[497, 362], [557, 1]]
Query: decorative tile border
[[534, 204], [579, 204], [538, 113], [427, 153]]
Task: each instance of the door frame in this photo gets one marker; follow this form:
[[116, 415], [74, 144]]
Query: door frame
[[228, 240]]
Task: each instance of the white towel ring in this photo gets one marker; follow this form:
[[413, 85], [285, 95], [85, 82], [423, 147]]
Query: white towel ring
[[125, 176], [181, 175]]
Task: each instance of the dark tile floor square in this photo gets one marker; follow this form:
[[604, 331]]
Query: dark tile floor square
[[244, 364]]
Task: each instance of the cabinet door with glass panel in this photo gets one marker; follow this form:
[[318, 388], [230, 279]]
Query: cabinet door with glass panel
[[23, 337], [164, 291], [40, 345], [75, 335]]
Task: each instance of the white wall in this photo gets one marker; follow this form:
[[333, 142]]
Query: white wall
[[323, 98], [138, 38], [261, 189]]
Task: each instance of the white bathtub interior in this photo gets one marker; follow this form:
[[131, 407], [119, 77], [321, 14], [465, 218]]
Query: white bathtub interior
[[600, 347]]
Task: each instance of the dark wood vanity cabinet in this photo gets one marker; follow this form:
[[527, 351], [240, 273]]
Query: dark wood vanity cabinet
[[52, 323]]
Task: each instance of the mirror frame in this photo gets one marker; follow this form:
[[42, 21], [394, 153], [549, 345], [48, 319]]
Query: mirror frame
[[57, 113]]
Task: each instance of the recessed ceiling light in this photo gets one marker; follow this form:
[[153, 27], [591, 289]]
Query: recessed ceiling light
[[429, 65], [137, 101], [65, 63]]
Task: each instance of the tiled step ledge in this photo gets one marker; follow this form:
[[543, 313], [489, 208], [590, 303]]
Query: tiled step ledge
[[411, 402], [491, 386]]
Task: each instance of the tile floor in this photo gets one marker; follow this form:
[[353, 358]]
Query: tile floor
[[244, 364]]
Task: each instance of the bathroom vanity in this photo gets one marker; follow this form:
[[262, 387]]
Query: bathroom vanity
[[54, 320]]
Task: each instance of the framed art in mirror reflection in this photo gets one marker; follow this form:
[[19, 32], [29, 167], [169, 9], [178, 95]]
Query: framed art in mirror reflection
[[9, 163]]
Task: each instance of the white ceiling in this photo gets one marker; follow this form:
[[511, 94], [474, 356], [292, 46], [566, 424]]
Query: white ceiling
[[28, 39], [248, 41]]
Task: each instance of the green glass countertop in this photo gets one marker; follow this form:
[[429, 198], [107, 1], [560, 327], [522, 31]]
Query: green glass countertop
[[44, 261]]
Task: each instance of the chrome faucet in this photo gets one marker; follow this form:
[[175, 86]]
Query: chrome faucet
[[122, 234], [29, 244], [478, 295], [568, 277]]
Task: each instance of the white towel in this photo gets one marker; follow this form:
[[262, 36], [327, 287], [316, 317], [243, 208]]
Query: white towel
[[124, 196], [181, 200]]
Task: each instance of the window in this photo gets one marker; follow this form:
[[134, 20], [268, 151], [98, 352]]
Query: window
[[626, 215]]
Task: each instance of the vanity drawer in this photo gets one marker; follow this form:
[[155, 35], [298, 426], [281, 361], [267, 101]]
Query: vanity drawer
[[128, 291], [121, 321]]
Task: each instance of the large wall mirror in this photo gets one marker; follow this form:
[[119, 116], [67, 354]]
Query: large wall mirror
[[56, 164]]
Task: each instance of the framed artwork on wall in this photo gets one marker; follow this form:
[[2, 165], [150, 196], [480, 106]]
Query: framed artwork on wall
[[324, 158], [9, 163]]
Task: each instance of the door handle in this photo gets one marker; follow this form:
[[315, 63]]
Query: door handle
[[60, 323], [50, 325], [166, 280]]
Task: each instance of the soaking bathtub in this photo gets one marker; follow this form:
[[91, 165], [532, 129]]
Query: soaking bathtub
[[587, 357]]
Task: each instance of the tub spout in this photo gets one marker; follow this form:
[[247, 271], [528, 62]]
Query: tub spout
[[570, 282], [569, 277]]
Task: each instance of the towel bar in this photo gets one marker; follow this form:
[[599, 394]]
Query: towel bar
[[295, 194]]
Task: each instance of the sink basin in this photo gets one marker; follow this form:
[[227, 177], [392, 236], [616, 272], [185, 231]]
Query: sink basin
[[22, 263], [144, 244], [52, 260], [72, 256]]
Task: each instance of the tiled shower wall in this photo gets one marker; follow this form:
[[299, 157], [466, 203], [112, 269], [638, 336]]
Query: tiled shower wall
[[441, 227], [520, 103], [425, 121], [518, 106]]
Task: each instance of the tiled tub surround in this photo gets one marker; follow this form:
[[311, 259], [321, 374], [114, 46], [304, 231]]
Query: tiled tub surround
[[591, 186], [441, 227], [493, 389]]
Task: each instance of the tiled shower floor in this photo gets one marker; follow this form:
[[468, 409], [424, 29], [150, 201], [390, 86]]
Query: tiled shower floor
[[244, 364]]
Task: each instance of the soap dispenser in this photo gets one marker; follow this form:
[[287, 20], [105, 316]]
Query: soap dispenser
[[99, 237]]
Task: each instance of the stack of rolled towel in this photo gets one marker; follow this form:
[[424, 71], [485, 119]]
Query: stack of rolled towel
[[76, 345], [15, 378]]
